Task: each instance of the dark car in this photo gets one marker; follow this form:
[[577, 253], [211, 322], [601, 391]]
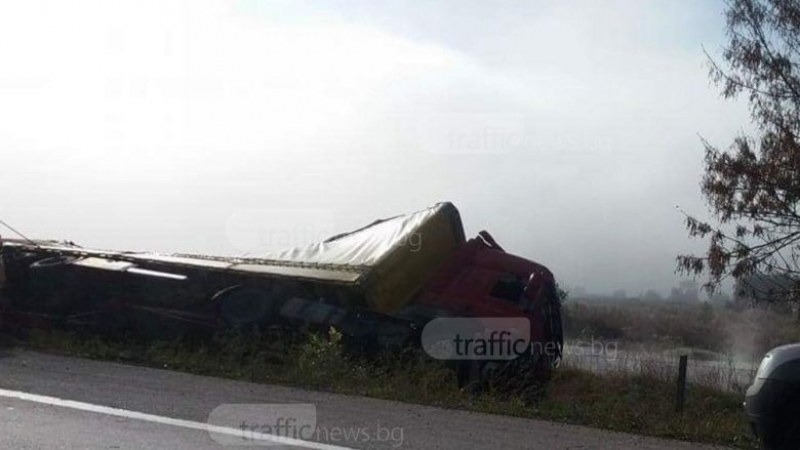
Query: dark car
[[772, 402]]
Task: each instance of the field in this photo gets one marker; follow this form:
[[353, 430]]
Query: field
[[724, 344], [744, 333]]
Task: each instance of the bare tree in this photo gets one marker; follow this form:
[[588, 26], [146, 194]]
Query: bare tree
[[753, 187]]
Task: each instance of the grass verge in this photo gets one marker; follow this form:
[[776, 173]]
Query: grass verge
[[634, 403]]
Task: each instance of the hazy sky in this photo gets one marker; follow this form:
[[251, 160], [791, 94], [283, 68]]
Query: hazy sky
[[569, 130]]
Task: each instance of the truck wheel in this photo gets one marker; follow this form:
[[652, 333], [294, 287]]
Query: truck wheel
[[242, 307], [284, 291]]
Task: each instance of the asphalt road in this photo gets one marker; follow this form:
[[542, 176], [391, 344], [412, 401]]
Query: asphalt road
[[51, 401]]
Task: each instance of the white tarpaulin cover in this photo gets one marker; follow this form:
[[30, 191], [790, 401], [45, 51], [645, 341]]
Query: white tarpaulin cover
[[363, 247]]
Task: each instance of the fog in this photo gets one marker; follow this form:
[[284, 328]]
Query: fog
[[569, 130]]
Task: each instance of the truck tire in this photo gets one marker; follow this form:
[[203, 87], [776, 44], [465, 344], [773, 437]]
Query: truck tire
[[242, 307], [247, 307]]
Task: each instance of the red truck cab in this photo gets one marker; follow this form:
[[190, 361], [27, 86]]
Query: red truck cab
[[481, 280]]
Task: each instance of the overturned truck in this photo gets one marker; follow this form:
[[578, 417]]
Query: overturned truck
[[379, 285]]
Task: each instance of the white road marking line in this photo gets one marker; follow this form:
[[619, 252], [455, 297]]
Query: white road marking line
[[118, 412]]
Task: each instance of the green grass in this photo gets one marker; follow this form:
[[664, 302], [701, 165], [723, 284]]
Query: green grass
[[634, 403]]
